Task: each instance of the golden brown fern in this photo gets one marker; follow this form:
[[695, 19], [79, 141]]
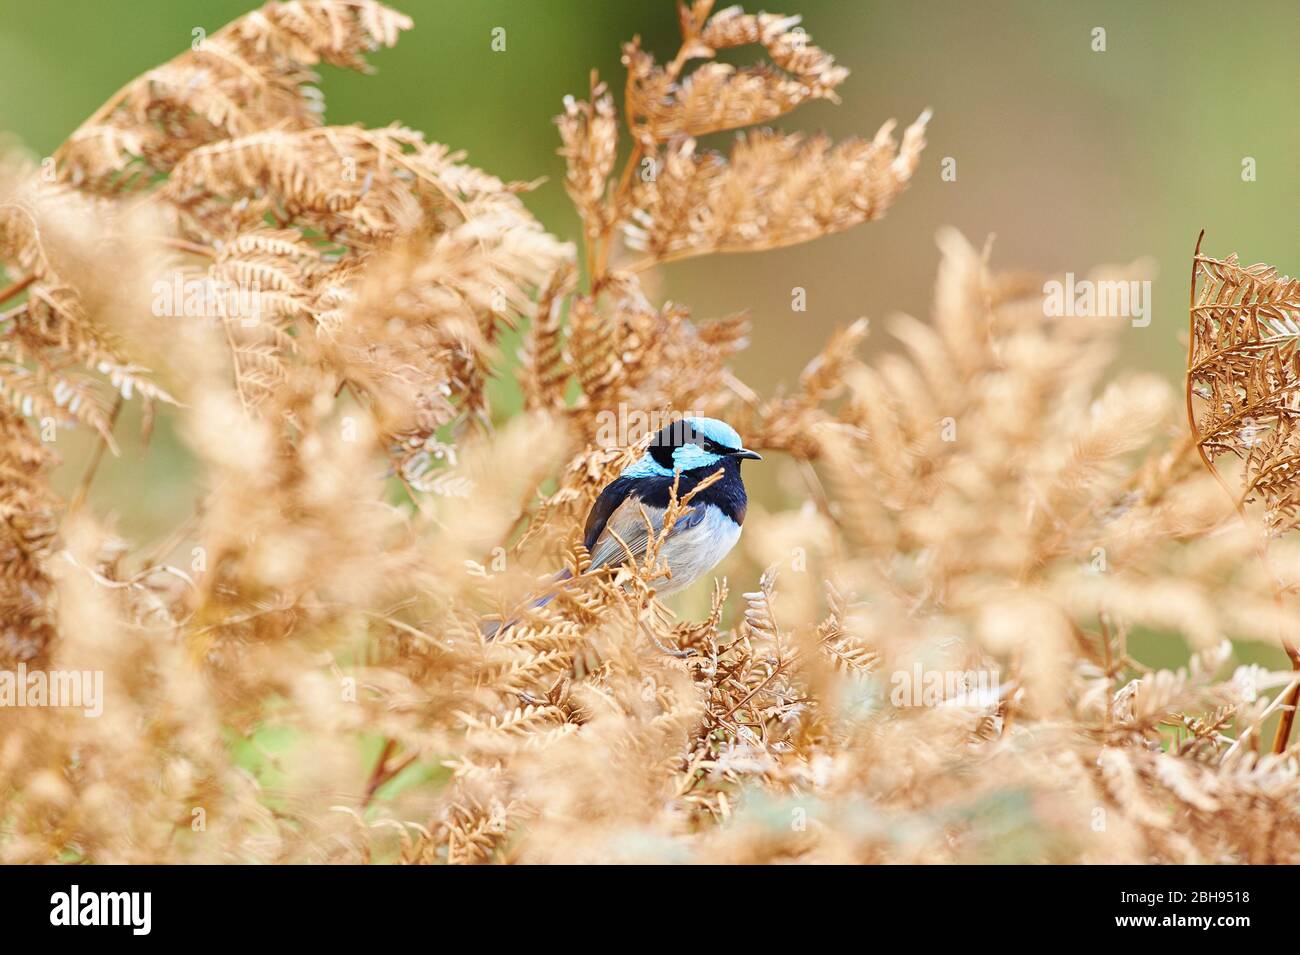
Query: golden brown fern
[[1243, 368], [252, 75], [1244, 373]]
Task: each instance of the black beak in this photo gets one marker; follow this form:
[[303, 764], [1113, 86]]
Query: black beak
[[746, 453]]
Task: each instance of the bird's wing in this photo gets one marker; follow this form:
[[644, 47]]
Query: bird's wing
[[625, 532], [614, 494]]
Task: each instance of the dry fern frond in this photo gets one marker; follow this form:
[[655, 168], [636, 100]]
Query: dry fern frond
[[351, 185], [672, 202], [252, 75], [589, 133], [58, 353], [776, 190], [662, 104], [1244, 368], [28, 525]]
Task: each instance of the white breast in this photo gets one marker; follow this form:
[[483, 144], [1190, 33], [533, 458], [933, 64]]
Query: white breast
[[693, 552]]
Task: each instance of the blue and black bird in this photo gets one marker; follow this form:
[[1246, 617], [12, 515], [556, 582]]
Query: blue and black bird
[[696, 448], [616, 528]]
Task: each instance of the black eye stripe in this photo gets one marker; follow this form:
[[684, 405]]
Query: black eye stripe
[[663, 455]]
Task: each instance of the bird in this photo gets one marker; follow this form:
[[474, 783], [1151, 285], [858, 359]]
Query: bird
[[687, 451]]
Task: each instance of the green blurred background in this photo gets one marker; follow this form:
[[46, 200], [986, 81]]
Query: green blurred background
[[1071, 157]]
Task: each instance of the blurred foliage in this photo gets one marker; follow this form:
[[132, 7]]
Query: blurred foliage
[[1071, 157]]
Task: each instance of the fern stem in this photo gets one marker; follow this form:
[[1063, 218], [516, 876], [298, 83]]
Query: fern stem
[[15, 288]]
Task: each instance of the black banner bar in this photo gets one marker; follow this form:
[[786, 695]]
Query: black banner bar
[[342, 904]]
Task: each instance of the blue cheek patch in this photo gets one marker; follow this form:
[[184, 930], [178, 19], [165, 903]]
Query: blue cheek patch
[[646, 467], [691, 456], [685, 458]]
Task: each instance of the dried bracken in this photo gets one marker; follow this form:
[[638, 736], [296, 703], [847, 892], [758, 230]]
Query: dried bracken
[[930, 660], [1244, 367], [1244, 371], [252, 76]]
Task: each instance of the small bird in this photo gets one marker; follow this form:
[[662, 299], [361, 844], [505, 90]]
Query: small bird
[[695, 448]]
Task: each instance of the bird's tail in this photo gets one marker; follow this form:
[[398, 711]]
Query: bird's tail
[[491, 628]]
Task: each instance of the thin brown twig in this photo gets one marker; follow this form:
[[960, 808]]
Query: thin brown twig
[[15, 288], [382, 774]]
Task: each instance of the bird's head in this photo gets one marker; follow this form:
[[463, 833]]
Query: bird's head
[[690, 443]]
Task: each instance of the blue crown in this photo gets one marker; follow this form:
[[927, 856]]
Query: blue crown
[[716, 430]]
